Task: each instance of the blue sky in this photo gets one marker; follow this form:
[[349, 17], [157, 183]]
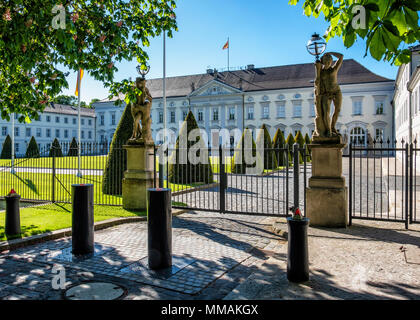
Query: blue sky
[[264, 33]]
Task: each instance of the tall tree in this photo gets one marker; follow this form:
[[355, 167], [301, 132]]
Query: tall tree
[[73, 148], [387, 26], [278, 144], [42, 40], [270, 159], [55, 150], [6, 151], [32, 151]]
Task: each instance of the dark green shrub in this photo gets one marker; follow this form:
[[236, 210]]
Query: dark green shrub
[[73, 149], [279, 143], [186, 172], [308, 142], [239, 164], [6, 152], [270, 159], [290, 141], [117, 158], [55, 150], [301, 142], [32, 151]]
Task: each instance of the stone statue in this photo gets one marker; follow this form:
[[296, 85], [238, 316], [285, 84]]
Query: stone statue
[[327, 90], [140, 111]]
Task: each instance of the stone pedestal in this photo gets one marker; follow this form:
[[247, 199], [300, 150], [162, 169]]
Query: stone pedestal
[[139, 176], [326, 196]]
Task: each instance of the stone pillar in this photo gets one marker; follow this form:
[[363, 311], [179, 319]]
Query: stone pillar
[[326, 196], [139, 176]]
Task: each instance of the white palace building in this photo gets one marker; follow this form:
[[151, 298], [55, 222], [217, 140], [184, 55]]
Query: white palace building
[[281, 97]]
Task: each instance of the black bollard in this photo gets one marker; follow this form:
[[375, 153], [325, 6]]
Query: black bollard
[[297, 250], [159, 223], [12, 213], [82, 219]]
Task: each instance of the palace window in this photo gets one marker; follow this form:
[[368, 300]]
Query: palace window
[[379, 107], [38, 132], [16, 148], [266, 112], [66, 133], [357, 107], [48, 133], [4, 131], [172, 116], [17, 132], [57, 119], [281, 111], [232, 113], [200, 115], [74, 120], [250, 113], [312, 109], [379, 134], [28, 132], [297, 110], [357, 136], [90, 122], [160, 116], [102, 120], [83, 122], [57, 133], [216, 114], [89, 134], [48, 119], [113, 118]]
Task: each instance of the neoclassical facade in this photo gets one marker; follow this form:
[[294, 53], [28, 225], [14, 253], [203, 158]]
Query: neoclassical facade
[[281, 97]]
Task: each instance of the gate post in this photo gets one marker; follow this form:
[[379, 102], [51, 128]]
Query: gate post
[[350, 183], [296, 175], [406, 184], [222, 181], [411, 162]]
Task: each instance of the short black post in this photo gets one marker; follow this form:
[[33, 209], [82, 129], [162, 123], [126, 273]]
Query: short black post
[[159, 223], [12, 213], [82, 219], [297, 250]]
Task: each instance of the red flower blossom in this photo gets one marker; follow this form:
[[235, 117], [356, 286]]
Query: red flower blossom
[[7, 16]]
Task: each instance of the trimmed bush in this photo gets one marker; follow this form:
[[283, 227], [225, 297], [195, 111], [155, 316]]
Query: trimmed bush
[[307, 142], [290, 141], [6, 152], [279, 143], [117, 157], [270, 159], [238, 164], [180, 169], [301, 142], [33, 150], [73, 149], [55, 150]]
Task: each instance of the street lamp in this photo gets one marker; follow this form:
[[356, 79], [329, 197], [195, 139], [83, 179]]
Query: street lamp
[[142, 71], [316, 45]]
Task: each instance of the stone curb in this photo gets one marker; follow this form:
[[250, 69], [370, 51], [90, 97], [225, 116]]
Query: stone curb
[[62, 233]]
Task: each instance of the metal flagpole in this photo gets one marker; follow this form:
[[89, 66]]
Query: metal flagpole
[[79, 172], [228, 52], [164, 97], [12, 170]]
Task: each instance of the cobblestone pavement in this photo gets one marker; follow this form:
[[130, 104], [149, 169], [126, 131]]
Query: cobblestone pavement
[[370, 260], [212, 253]]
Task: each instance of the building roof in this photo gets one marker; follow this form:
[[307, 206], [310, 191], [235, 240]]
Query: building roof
[[261, 79], [70, 110]]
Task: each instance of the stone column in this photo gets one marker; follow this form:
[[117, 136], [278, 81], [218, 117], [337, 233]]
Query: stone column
[[139, 175], [326, 196]]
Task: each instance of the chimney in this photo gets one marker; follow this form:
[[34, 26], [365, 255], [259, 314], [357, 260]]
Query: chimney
[[250, 66]]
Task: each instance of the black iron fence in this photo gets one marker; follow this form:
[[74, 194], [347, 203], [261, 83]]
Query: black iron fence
[[47, 175], [383, 182]]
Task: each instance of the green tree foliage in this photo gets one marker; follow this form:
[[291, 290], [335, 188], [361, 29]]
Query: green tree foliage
[[70, 101], [188, 172], [270, 159], [32, 151], [40, 41], [56, 149], [117, 157], [308, 142], [388, 26], [6, 152], [301, 142], [279, 143], [239, 164], [73, 149], [290, 141]]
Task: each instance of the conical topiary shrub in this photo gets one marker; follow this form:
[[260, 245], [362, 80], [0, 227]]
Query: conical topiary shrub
[[278, 144], [73, 149], [301, 142], [270, 159], [117, 158], [290, 141], [180, 169], [55, 150], [308, 151], [6, 152], [32, 151], [239, 160]]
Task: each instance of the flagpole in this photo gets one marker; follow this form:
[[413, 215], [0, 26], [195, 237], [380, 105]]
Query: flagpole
[[12, 170], [228, 52], [79, 172], [164, 97]]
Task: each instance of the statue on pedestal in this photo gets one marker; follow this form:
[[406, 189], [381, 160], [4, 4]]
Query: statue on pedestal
[[327, 90], [140, 111]]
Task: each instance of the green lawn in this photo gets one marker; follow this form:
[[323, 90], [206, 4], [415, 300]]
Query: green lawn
[[87, 162], [50, 217]]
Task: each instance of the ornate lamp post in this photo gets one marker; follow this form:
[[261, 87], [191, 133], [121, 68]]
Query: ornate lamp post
[[316, 45], [143, 72]]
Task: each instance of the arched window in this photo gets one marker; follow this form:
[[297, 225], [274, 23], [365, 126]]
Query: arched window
[[358, 136], [297, 96]]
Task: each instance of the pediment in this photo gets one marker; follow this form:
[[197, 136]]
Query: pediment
[[214, 88]]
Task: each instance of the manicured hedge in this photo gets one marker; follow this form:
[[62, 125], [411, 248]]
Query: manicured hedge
[[117, 157], [270, 159], [32, 151], [238, 161], [55, 150], [301, 142], [73, 149], [187, 172], [6, 152], [279, 143], [290, 141]]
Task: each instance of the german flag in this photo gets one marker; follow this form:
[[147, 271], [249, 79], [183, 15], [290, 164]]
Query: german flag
[[226, 46], [79, 81]]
